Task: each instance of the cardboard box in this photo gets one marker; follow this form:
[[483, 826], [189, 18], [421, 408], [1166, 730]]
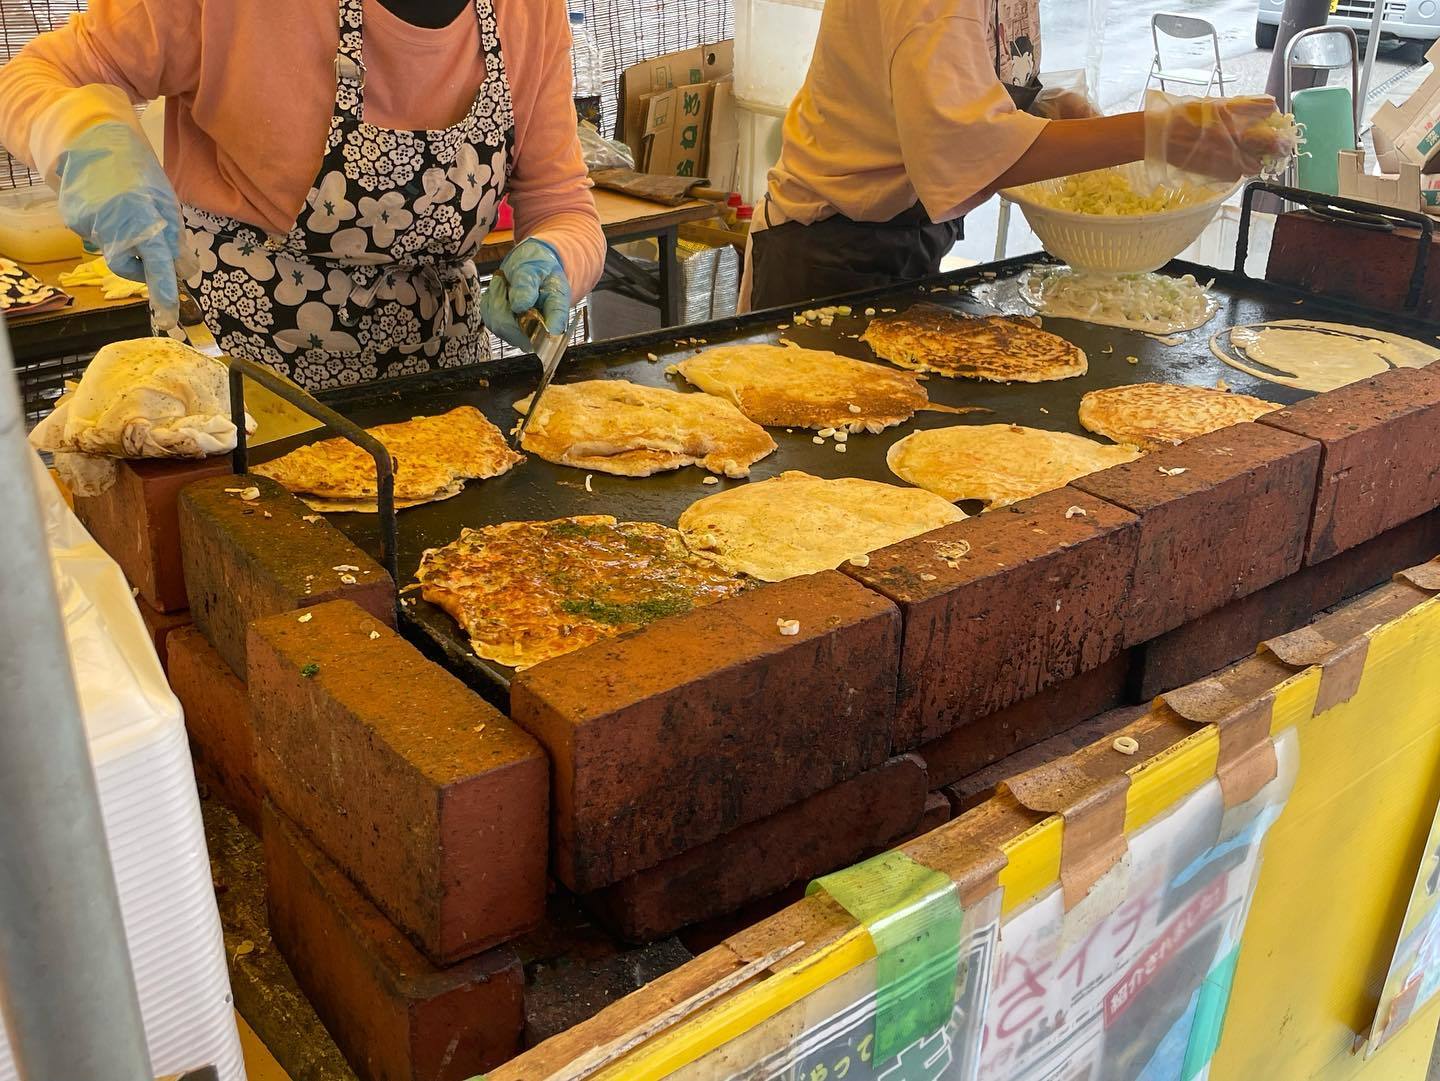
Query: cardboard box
[[676, 124], [722, 149], [701, 64], [1410, 133]]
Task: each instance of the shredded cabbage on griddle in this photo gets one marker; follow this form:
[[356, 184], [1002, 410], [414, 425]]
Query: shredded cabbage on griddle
[[1154, 303]]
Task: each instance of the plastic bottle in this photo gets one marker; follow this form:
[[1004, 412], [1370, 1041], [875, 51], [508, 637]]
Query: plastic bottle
[[586, 65]]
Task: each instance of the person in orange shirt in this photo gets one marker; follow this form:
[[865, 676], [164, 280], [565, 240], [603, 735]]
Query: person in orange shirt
[[914, 112], [331, 169]]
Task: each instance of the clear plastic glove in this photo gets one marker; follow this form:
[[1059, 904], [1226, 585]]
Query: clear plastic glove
[[1214, 138], [114, 194], [1063, 103], [531, 276]]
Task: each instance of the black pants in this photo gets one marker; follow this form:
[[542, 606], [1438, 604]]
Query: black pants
[[795, 264]]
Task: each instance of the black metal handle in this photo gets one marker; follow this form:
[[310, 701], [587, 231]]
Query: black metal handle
[[242, 369], [1319, 202]]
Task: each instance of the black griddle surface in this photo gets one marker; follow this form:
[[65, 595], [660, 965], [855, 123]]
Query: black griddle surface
[[538, 490]]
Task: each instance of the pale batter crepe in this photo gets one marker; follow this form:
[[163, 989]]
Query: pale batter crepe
[[998, 348], [1155, 415], [525, 592], [1317, 356], [433, 457], [998, 463], [797, 524], [806, 388], [614, 426]]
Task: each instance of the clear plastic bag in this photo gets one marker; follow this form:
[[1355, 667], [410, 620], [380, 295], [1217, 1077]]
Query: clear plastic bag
[[603, 153]]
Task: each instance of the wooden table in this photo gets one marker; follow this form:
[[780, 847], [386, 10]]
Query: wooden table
[[81, 327], [91, 321], [625, 218]]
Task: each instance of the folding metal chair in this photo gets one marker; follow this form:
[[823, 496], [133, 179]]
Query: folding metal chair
[[1330, 114], [1184, 28]]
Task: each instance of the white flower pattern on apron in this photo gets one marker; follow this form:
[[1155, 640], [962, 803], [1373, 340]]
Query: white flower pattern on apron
[[377, 277]]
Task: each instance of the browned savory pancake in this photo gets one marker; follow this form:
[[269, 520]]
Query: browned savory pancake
[[615, 426], [797, 524], [528, 591], [1155, 415], [433, 456], [999, 348], [999, 463], [806, 388]]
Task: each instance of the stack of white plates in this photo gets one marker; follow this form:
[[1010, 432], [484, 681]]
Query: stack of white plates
[[151, 810]]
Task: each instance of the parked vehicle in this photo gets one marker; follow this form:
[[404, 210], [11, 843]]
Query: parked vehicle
[[1414, 20]]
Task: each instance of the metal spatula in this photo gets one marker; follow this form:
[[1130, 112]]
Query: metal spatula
[[550, 348]]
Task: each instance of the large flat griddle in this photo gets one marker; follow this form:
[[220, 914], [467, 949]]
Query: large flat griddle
[[537, 490]]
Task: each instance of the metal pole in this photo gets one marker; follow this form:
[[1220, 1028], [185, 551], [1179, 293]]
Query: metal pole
[[1372, 50], [1298, 15], [67, 992]]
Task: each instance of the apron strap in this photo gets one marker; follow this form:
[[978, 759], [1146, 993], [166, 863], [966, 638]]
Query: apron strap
[[350, 60]]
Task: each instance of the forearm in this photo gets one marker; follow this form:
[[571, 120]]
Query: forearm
[[42, 106], [1078, 146]]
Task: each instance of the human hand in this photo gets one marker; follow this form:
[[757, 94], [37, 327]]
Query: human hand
[[114, 193], [1214, 138], [1063, 103], [531, 276]]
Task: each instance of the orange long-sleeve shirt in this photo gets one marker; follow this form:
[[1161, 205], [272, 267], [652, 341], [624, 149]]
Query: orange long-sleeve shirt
[[250, 87]]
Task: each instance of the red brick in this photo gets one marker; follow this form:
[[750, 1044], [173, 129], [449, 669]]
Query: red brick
[[1380, 464], [975, 789], [936, 813], [971, 747], [217, 718], [429, 798], [1228, 634], [160, 626], [1038, 599], [241, 565], [829, 830], [1375, 269], [1232, 522], [137, 523], [394, 1015], [672, 736]]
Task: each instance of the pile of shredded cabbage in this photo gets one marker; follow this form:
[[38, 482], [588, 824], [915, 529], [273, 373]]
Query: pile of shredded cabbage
[[1104, 191], [1290, 138], [1153, 303]]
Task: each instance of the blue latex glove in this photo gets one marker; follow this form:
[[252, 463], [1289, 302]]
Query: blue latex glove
[[532, 278], [115, 195]]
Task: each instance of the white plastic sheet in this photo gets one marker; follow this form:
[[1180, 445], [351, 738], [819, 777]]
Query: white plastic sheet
[[150, 806]]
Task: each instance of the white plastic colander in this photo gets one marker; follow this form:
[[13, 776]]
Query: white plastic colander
[[1120, 244]]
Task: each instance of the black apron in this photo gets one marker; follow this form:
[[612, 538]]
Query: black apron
[[791, 263]]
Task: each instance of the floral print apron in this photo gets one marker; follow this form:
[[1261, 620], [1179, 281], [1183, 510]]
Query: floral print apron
[[377, 277]]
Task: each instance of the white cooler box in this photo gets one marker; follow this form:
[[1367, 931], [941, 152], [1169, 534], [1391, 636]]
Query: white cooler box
[[152, 813]]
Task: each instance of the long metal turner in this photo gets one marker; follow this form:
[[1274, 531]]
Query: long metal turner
[[550, 348]]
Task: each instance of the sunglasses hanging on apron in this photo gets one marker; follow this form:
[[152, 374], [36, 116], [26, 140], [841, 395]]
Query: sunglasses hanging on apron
[[377, 277]]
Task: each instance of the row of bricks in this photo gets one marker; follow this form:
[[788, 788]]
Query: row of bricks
[[650, 763], [719, 874], [439, 818], [392, 1009]]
